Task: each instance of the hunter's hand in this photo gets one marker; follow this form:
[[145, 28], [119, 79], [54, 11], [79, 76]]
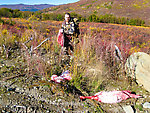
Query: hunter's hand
[[61, 30]]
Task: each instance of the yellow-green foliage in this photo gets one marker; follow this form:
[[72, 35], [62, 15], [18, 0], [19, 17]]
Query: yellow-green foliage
[[141, 4], [54, 9], [33, 18], [27, 35], [137, 6], [107, 5], [88, 6], [98, 7], [6, 38]]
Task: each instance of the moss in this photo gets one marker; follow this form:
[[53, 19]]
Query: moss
[[139, 107]]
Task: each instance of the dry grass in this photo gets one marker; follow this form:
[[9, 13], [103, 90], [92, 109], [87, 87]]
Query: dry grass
[[94, 65]]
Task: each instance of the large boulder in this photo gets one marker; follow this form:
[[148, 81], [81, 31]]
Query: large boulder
[[138, 67]]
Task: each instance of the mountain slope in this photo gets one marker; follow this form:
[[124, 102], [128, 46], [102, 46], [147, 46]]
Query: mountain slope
[[24, 7], [120, 8]]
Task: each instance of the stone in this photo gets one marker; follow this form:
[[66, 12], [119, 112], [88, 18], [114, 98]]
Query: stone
[[17, 90], [1, 49], [146, 105], [128, 109], [138, 66], [117, 109]]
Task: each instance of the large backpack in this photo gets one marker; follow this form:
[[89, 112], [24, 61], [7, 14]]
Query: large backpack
[[76, 22]]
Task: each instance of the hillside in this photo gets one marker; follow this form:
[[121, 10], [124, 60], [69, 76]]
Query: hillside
[[23, 7], [25, 73], [120, 8]]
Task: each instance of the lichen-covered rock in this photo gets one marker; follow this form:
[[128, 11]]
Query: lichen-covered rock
[[146, 105], [138, 67], [128, 109]]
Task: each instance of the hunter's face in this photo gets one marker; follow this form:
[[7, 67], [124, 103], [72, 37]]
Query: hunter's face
[[67, 18]]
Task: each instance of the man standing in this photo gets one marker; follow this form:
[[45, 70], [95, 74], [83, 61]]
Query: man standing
[[70, 32]]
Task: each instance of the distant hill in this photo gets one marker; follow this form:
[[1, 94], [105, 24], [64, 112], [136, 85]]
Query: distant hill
[[23, 7], [120, 8]]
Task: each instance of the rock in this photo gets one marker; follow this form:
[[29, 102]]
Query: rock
[[1, 101], [1, 49], [128, 109], [117, 109], [138, 67], [146, 105], [17, 90]]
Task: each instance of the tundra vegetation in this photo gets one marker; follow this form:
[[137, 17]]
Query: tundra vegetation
[[94, 65]]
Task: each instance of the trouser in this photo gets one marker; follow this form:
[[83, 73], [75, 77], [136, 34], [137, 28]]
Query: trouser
[[68, 45]]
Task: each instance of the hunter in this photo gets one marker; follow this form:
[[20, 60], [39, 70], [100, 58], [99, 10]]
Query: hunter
[[70, 30]]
